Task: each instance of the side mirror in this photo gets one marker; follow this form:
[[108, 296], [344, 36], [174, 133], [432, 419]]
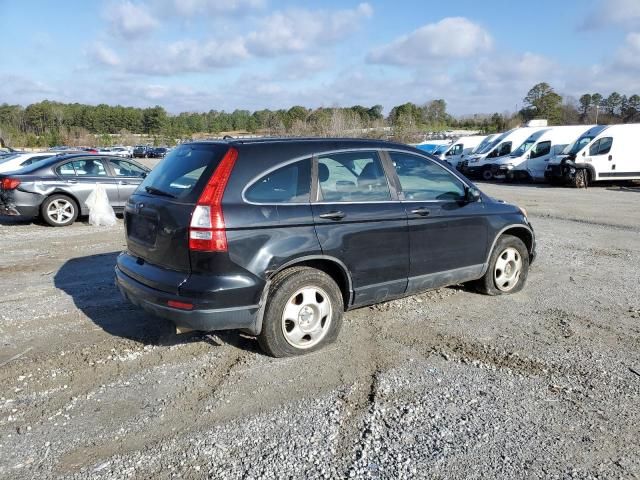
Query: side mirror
[[144, 174], [471, 195], [584, 154]]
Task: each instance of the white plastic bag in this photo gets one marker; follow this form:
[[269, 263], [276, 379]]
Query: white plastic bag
[[100, 211]]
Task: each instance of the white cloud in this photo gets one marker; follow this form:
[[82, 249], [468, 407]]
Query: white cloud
[[625, 13], [129, 20], [453, 37], [191, 8], [104, 55], [628, 56], [296, 30], [186, 56]]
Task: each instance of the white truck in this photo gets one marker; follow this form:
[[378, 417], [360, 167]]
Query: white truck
[[479, 164], [601, 153], [529, 161], [460, 148]]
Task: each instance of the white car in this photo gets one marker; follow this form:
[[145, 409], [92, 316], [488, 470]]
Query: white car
[[117, 152], [11, 163]]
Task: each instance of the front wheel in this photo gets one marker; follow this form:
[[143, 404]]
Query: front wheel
[[303, 313], [508, 267], [487, 174], [59, 211]]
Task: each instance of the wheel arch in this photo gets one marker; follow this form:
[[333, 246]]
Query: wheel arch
[[520, 231], [65, 194], [333, 267]]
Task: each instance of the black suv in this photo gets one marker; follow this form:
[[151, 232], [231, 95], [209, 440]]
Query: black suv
[[278, 237]]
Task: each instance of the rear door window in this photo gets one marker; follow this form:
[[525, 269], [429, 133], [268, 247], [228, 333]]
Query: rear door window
[[288, 184], [352, 177], [185, 170]]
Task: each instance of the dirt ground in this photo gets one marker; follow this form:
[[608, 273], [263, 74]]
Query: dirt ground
[[448, 384]]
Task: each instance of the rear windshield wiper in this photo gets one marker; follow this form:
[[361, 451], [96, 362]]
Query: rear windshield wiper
[[157, 191]]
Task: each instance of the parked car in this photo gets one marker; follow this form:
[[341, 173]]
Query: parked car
[[19, 160], [158, 152], [278, 237], [56, 188], [601, 153], [140, 151]]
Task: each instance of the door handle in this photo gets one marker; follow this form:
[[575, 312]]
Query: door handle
[[72, 180], [422, 211], [610, 157], [333, 215], [122, 182]]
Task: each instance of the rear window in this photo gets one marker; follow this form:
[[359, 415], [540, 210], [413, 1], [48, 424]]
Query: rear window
[[184, 172]]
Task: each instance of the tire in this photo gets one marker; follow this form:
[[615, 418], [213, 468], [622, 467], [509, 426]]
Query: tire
[[303, 313], [59, 210], [582, 178], [487, 174], [509, 250]]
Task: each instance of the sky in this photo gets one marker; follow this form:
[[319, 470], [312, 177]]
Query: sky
[[199, 55]]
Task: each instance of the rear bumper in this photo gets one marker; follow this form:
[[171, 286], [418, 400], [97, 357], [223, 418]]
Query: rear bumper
[[18, 203], [201, 317]]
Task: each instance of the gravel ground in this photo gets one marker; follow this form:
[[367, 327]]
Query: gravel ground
[[448, 384]]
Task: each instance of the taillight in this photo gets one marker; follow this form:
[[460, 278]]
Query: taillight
[[9, 183], [207, 230]]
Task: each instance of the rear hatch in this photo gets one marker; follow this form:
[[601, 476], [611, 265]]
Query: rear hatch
[[158, 214]]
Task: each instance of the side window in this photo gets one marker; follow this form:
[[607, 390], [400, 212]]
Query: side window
[[122, 168], [541, 149], [605, 145], [89, 168], [66, 170], [289, 184], [505, 149], [421, 179], [352, 177], [456, 150]]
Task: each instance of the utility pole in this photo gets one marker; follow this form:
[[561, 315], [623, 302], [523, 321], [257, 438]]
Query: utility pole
[[597, 110]]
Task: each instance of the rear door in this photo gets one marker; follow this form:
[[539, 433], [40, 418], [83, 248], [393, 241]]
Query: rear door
[[359, 221], [82, 174], [447, 236], [128, 176], [158, 213]]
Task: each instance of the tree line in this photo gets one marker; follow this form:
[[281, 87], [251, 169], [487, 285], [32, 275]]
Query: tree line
[[50, 123]]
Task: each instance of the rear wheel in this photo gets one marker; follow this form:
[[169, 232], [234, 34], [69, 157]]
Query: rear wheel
[[59, 210], [303, 313], [508, 267]]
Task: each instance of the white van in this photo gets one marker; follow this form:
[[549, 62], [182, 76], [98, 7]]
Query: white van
[[480, 164], [530, 159], [601, 153], [460, 148]]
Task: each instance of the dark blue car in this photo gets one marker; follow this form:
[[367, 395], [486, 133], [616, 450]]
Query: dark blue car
[[278, 237]]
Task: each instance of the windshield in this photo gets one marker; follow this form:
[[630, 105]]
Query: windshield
[[487, 148], [442, 149], [524, 148], [580, 143], [179, 174]]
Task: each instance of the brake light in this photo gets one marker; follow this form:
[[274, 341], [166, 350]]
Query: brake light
[[9, 183], [180, 305], [207, 229]]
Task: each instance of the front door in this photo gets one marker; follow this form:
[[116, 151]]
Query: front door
[[538, 159], [602, 159], [128, 176], [359, 222], [447, 235]]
